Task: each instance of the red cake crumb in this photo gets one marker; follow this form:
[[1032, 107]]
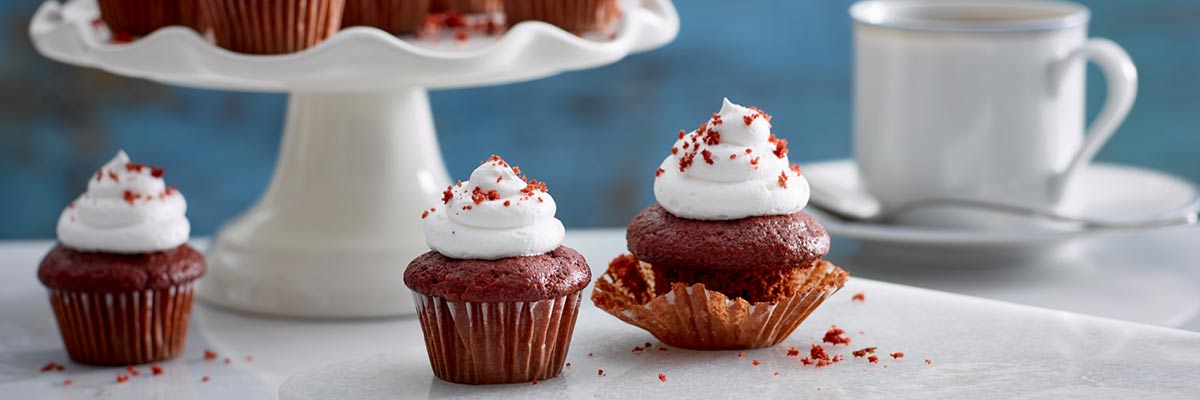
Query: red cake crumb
[[516, 170], [659, 172], [637, 349], [749, 150], [507, 203], [532, 187], [479, 196], [155, 369], [859, 297], [716, 119], [132, 371], [130, 197], [589, 354], [783, 179], [568, 365], [742, 354], [712, 137], [467, 208], [686, 160], [424, 214], [795, 168], [897, 355], [793, 352], [205, 379], [228, 361], [733, 156], [755, 362], [780, 146], [600, 372], [681, 133], [863, 351], [674, 150], [447, 195], [647, 345], [707, 156], [461, 35], [685, 145], [662, 377], [113, 176], [67, 382], [817, 352], [53, 366], [170, 190], [776, 373], [761, 113], [121, 378], [806, 361], [754, 162], [662, 349], [534, 381], [156, 172], [749, 118], [927, 361], [209, 355], [873, 359], [834, 336]]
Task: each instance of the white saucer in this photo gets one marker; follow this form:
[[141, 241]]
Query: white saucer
[[1109, 191]]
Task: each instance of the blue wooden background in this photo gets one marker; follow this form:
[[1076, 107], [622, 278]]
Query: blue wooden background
[[595, 136]]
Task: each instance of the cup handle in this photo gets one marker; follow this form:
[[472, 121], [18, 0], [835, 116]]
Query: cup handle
[[1122, 80]]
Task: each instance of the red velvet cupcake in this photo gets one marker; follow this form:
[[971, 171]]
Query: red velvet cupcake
[[394, 16], [142, 17], [498, 295], [121, 277], [272, 26], [727, 248], [576, 16], [468, 6]]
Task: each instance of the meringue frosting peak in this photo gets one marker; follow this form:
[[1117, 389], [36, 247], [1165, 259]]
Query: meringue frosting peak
[[497, 213], [731, 167], [127, 208]]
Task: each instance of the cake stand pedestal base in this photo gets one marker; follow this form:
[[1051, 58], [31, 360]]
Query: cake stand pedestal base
[[341, 219]]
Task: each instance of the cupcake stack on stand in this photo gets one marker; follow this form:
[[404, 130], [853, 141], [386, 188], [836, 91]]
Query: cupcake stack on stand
[[358, 108]]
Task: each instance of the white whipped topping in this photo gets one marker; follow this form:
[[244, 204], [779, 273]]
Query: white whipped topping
[[127, 209], [496, 214], [731, 167]]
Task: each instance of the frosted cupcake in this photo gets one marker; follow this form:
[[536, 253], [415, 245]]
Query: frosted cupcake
[[498, 295], [727, 259], [121, 276]]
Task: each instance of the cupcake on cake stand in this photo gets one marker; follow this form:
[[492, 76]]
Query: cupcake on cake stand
[[359, 158]]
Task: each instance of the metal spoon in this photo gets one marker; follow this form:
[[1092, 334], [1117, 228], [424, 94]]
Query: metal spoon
[[857, 205]]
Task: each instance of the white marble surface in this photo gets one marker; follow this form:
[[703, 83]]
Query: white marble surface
[[1105, 275]]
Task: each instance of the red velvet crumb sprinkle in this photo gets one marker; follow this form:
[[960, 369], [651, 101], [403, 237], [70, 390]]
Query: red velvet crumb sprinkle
[[659, 172], [859, 297], [507, 203], [686, 161], [67, 382], [209, 355], [681, 133], [637, 349], [755, 362], [130, 197], [793, 352], [707, 157], [121, 378], [674, 150], [897, 355], [835, 336], [712, 137], [424, 214], [863, 351], [600, 372], [873, 359], [795, 168], [776, 373], [716, 119], [447, 195], [783, 179], [461, 35], [228, 361], [780, 146], [817, 352], [205, 379], [155, 369], [134, 167], [662, 377], [113, 176], [741, 354], [53, 366], [131, 370], [749, 150], [732, 156], [466, 208], [761, 113], [156, 172], [927, 361]]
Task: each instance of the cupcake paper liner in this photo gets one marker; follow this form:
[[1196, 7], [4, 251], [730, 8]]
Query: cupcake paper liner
[[573, 16], [123, 328], [693, 317], [468, 6], [394, 16], [272, 26], [138, 17], [486, 343]]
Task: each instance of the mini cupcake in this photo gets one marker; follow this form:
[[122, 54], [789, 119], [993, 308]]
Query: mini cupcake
[[467, 6], [498, 295], [394, 16], [272, 26], [726, 259], [139, 17], [576, 16], [121, 276]]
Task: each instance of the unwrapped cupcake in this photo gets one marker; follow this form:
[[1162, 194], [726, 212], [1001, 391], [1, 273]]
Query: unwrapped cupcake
[[121, 276], [498, 295], [727, 259]]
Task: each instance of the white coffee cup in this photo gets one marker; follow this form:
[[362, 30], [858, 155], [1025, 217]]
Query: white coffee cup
[[980, 101]]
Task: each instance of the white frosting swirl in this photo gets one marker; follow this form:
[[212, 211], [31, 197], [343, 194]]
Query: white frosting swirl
[[496, 214], [127, 209], [730, 168]]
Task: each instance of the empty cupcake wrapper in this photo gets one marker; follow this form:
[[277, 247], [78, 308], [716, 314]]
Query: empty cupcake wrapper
[[121, 328], [486, 343], [693, 317]]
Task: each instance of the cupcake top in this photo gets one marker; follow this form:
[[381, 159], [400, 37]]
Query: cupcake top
[[494, 215], [127, 208], [732, 167]]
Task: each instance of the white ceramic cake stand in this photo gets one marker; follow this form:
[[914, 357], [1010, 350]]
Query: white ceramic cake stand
[[359, 160]]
